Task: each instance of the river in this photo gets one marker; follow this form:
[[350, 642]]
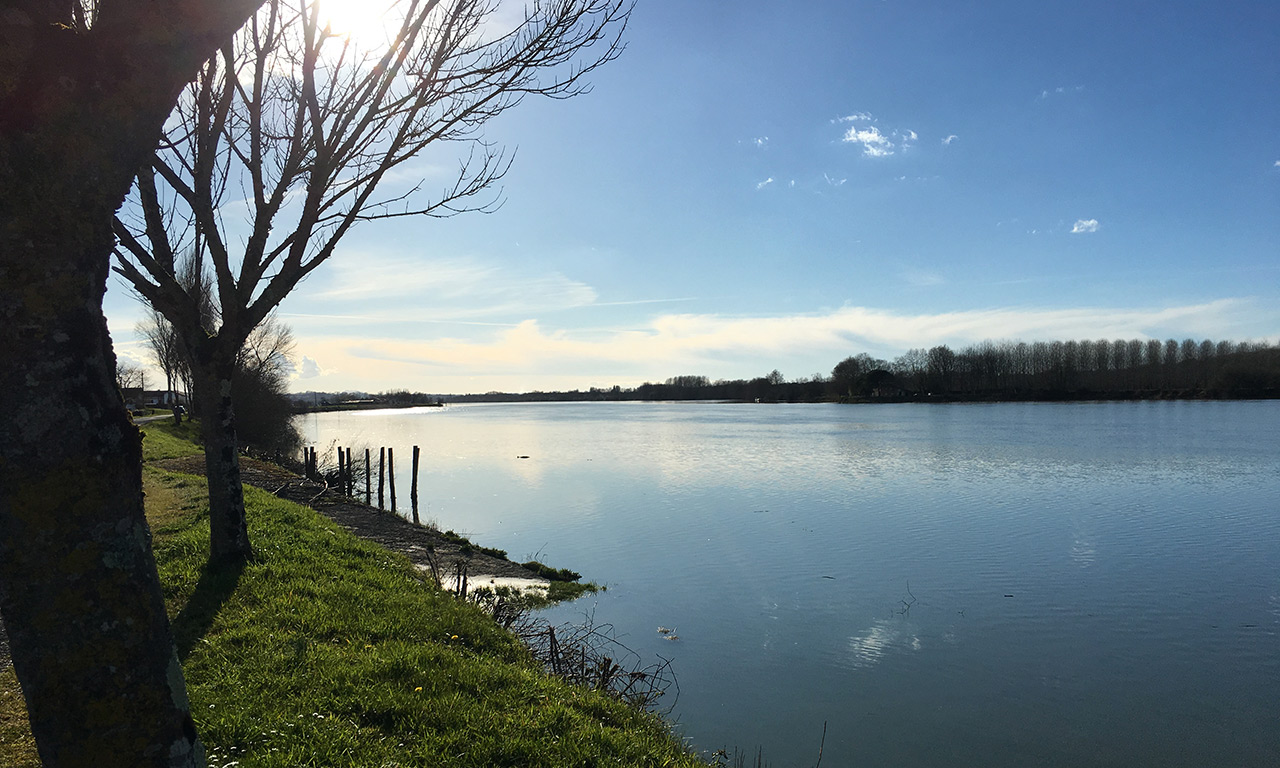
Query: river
[[997, 584]]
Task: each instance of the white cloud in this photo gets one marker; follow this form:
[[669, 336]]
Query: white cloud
[[1277, 164], [734, 345], [1059, 90], [855, 117], [874, 142], [834, 182], [309, 369], [1085, 226], [760, 141], [947, 141], [765, 183]]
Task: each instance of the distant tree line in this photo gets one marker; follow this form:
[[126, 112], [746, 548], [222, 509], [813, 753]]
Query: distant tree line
[[1138, 368], [311, 402], [1006, 370], [772, 387]]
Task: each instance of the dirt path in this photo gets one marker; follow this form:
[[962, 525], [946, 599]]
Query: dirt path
[[391, 531]]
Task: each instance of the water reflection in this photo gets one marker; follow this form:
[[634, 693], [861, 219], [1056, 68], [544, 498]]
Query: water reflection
[[1085, 573], [870, 646]]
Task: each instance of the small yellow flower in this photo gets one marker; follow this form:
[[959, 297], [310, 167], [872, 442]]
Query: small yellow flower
[[418, 689], [455, 637]]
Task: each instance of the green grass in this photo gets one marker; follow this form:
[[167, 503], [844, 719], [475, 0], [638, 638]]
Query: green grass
[[331, 651], [17, 748], [165, 440]]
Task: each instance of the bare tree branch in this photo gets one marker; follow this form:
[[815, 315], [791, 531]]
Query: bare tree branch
[[316, 131]]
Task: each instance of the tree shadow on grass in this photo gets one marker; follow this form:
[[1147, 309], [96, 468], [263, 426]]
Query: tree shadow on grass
[[217, 583]]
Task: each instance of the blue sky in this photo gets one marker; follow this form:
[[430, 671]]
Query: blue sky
[[779, 185]]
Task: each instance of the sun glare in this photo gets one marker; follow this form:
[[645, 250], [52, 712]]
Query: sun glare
[[365, 23]]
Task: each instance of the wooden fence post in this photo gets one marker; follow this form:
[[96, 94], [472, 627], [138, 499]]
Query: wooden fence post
[[391, 476], [368, 493], [341, 470], [382, 462], [413, 487]]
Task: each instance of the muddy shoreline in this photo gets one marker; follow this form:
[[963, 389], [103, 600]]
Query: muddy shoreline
[[417, 542]]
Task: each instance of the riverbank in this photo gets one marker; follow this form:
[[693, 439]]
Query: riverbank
[[430, 550], [332, 650]]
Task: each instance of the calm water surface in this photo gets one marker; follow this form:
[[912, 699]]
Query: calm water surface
[[1094, 584]]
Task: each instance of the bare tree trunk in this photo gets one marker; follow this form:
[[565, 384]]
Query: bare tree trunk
[[79, 592], [80, 109], [228, 529]]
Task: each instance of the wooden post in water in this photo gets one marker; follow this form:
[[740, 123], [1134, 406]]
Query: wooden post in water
[[368, 493], [382, 461], [341, 470], [413, 487], [391, 476], [351, 474]]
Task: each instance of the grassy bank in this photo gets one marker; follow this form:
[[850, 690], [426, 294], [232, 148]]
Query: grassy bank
[[331, 651]]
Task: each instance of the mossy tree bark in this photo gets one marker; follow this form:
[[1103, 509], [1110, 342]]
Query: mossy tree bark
[[228, 528], [83, 95]]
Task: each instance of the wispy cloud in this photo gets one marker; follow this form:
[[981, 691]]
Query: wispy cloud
[[876, 143], [834, 182], [947, 141], [1085, 226], [923, 278], [1060, 90], [635, 302], [760, 141], [713, 342], [765, 183], [411, 287]]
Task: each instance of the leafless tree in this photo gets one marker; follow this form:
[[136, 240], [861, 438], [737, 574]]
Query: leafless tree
[[303, 129], [163, 347], [85, 88], [130, 376]]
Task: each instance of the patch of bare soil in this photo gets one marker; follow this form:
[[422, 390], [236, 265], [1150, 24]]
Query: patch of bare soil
[[416, 542]]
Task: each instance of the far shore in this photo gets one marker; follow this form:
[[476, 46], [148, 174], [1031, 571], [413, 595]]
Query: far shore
[[1080, 396]]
